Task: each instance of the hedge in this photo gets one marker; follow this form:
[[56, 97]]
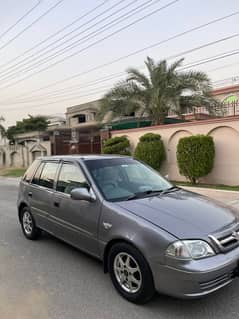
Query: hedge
[[117, 145], [150, 150], [195, 156]]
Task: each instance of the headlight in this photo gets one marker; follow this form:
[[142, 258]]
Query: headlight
[[190, 249]]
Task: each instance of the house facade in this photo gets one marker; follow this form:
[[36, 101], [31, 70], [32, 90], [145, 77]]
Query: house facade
[[28, 146], [79, 132]]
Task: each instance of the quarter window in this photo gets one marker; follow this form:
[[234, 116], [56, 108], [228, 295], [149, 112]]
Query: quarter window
[[70, 177], [37, 175], [30, 171]]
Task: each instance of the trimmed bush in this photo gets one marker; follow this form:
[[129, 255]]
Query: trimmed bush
[[117, 145], [195, 156], [150, 150]]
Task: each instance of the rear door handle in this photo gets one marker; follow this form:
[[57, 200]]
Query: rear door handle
[[56, 204], [30, 194]]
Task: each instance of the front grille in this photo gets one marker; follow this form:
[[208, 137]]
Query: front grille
[[216, 282], [227, 239]]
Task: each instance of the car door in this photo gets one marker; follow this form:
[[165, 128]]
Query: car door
[[41, 193], [75, 221]]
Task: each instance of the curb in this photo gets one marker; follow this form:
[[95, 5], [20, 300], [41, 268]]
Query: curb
[[12, 179]]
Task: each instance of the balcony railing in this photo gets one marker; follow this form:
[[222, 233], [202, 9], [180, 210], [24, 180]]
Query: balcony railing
[[221, 110]]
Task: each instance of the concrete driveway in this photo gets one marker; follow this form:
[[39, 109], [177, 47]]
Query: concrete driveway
[[47, 279], [228, 197]]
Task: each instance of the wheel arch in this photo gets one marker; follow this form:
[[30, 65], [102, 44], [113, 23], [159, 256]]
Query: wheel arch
[[20, 208], [110, 244]]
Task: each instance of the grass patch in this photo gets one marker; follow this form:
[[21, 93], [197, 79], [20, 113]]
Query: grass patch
[[223, 187], [12, 172]]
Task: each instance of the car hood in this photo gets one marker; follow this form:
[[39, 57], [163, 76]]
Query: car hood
[[183, 214]]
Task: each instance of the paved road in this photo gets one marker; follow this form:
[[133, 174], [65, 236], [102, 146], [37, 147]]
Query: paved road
[[47, 279]]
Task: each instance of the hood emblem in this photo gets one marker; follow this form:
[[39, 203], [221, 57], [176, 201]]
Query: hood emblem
[[235, 235]]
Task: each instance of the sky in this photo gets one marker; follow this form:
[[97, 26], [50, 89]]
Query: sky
[[27, 87]]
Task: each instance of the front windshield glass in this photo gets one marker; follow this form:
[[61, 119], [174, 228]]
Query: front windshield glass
[[125, 178]]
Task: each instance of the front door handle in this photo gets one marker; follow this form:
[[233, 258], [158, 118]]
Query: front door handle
[[30, 194], [56, 204]]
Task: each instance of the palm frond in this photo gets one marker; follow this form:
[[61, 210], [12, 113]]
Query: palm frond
[[159, 91], [138, 77]]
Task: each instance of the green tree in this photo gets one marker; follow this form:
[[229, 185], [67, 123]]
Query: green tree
[[32, 123], [195, 156], [117, 145], [163, 89], [150, 150]]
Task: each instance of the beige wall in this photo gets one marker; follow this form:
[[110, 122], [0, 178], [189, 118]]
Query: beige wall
[[23, 156], [225, 133]]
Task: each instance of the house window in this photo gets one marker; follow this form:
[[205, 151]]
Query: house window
[[81, 118], [130, 114]]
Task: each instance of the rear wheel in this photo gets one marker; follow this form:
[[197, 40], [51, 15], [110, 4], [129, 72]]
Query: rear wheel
[[130, 273], [29, 228]]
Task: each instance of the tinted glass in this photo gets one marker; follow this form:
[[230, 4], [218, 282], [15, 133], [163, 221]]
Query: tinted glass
[[48, 175], [70, 177], [37, 175], [121, 178], [30, 171]]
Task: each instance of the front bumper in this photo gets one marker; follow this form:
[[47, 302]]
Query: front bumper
[[195, 278]]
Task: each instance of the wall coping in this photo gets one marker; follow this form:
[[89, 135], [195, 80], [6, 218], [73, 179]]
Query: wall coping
[[166, 126], [228, 89]]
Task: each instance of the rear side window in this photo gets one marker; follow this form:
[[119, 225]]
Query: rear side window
[[30, 171], [45, 175], [70, 177]]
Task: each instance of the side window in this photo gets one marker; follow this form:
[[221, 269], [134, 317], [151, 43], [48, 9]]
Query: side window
[[48, 175], [37, 175], [70, 177], [30, 171]]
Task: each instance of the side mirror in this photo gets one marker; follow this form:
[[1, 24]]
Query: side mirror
[[82, 194], [166, 176]]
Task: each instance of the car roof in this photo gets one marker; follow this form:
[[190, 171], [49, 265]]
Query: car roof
[[82, 157]]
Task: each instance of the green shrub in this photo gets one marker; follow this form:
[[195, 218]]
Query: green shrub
[[150, 150], [195, 156], [117, 145]]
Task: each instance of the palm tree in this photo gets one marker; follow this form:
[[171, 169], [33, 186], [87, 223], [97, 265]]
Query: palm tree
[[164, 89]]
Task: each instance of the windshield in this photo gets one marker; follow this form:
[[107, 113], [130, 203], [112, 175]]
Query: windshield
[[125, 178]]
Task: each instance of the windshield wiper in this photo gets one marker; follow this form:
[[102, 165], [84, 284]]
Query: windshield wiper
[[169, 190], [153, 192], [142, 194]]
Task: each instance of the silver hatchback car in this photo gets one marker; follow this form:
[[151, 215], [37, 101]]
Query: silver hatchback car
[[150, 235]]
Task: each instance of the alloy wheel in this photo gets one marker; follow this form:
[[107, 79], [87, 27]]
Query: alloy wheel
[[27, 222], [127, 272]]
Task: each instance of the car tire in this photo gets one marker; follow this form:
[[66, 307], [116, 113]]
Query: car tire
[[130, 273], [28, 224]]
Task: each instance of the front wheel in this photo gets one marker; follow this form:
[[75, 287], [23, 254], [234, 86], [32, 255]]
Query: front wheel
[[130, 273], [28, 225]]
